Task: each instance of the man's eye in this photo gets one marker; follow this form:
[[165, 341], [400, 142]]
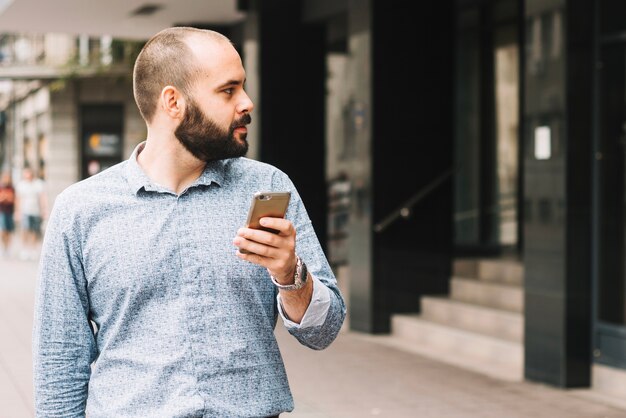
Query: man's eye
[[228, 91]]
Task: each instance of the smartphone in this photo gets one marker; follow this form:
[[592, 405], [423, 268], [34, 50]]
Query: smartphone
[[266, 204]]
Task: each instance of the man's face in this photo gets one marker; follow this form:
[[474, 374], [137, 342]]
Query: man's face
[[207, 140]]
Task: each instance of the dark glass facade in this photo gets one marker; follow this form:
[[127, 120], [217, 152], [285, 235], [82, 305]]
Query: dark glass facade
[[487, 129], [610, 185], [525, 100]]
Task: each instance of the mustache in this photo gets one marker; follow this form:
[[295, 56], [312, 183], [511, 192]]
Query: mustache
[[242, 121]]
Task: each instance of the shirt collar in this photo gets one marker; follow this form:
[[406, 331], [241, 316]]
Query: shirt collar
[[137, 178]]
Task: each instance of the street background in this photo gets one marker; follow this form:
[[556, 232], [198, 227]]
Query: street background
[[359, 375]]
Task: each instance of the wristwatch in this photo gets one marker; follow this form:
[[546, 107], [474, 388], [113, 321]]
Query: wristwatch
[[299, 277]]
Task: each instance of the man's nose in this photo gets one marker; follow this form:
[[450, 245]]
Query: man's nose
[[245, 105]]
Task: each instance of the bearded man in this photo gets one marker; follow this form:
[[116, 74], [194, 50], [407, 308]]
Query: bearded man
[[145, 306]]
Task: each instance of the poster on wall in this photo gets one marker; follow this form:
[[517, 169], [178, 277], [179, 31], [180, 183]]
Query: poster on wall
[[100, 144], [101, 150]]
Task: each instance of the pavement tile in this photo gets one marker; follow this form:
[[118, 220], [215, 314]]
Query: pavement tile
[[14, 400], [356, 377]]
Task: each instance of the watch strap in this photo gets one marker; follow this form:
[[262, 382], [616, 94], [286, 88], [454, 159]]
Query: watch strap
[[299, 277]]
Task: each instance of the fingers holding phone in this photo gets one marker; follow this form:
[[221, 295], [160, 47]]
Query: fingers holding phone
[[268, 239], [264, 243], [268, 205]]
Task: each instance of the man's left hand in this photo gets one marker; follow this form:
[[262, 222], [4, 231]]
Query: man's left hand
[[276, 252]]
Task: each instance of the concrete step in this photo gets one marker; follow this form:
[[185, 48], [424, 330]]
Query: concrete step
[[503, 271], [473, 351], [608, 386], [496, 323], [465, 267], [493, 295], [609, 382]]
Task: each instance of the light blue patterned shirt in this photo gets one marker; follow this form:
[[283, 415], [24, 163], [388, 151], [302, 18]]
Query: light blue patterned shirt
[[184, 327]]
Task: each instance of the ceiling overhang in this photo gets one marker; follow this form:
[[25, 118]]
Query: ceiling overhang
[[117, 18]]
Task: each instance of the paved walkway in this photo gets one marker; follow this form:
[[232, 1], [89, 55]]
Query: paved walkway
[[354, 378], [17, 288]]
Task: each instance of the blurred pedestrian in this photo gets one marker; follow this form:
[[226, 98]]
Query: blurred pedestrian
[[146, 252], [30, 210], [7, 207]]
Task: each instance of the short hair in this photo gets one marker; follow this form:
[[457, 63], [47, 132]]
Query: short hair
[[164, 60]]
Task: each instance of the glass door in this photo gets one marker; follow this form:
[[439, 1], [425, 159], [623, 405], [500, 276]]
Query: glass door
[[487, 156], [610, 200]]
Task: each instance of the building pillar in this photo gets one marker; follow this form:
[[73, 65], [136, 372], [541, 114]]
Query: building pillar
[[557, 189]]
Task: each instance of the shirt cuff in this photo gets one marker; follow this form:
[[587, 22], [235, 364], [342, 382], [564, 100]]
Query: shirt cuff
[[315, 314]]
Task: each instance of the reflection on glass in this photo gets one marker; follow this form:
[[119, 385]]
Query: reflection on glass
[[487, 136], [467, 135], [506, 57]]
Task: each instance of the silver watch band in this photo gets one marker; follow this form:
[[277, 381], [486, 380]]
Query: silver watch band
[[299, 277]]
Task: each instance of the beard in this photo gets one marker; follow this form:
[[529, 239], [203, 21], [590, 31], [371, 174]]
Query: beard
[[206, 140]]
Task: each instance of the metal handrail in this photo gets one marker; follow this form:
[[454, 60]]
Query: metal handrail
[[498, 208], [404, 211]]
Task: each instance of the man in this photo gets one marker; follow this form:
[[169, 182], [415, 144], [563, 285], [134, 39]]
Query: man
[[30, 208], [145, 253]]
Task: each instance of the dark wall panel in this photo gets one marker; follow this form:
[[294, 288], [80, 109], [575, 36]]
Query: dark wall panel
[[292, 74], [412, 145]]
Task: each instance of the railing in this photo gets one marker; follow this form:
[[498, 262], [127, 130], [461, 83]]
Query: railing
[[404, 211], [18, 49], [63, 50], [505, 207], [504, 213]]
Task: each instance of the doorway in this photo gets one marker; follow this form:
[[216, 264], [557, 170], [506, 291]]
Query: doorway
[[487, 145], [609, 220], [101, 137]]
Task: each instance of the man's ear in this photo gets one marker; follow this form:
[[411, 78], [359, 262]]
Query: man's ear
[[172, 102]]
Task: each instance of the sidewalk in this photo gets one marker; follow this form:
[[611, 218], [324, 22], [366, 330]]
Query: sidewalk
[[17, 289], [355, 377]]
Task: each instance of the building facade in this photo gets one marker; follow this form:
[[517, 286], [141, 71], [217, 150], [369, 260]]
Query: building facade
[[459, 159], [68, 104], [501, 144]]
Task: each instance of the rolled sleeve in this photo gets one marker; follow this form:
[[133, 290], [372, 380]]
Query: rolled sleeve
[[325, 315], [317, 311]]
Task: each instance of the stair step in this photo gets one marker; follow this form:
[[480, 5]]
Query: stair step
[[492, 270], [609, 381], [496, 323], [477, 352], [465, 267], [501, 271], [608, 386], [497, 296]]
